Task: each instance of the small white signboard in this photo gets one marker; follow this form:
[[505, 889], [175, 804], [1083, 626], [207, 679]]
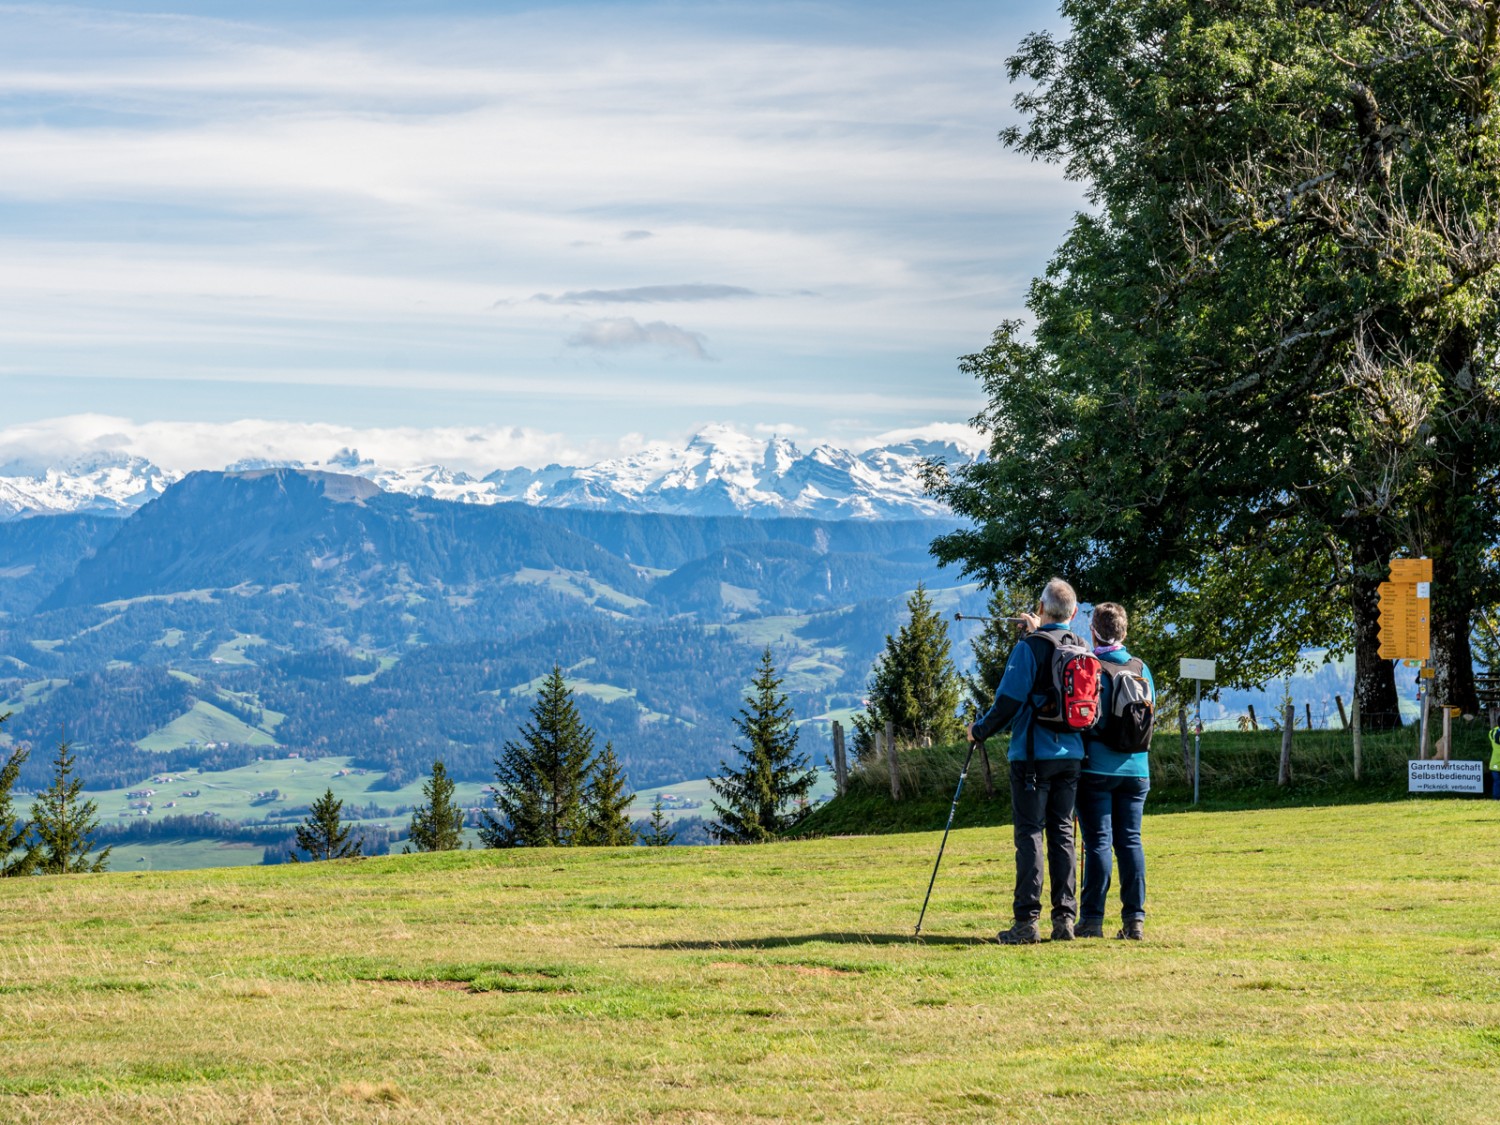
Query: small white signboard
[[1190, 669], [1424, 589], [1436, 776]]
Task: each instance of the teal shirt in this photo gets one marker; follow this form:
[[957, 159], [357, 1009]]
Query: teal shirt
[[1099, 758]]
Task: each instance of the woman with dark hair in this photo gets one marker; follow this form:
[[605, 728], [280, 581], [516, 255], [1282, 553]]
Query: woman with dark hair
[[1115, 779]]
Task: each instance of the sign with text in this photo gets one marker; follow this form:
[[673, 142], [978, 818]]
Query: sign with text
[[1190, 669], [1405, 604], [1435, 776]]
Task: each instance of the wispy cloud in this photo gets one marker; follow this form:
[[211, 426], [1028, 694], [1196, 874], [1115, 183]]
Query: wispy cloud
[[646, 295], [618, 333], [185, 446], [262, 199]]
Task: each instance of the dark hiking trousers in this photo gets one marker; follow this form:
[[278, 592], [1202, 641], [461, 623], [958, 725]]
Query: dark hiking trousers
[[1045, 807], [1109, 813]]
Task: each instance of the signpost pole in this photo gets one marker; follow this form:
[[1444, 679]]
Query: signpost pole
[[1197, 671], [1197, 733], [1422, 727]]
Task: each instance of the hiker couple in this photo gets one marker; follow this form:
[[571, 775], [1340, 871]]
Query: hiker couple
[[1080, 719]]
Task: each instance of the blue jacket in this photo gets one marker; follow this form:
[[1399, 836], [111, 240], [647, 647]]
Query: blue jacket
[[1014, 704], [1100, 758]]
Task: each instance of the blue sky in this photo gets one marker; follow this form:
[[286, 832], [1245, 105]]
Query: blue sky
[[562, 230]]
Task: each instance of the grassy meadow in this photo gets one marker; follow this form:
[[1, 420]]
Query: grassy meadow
[[1301, 965]]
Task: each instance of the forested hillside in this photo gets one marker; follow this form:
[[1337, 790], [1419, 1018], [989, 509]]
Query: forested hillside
[[281, 611]]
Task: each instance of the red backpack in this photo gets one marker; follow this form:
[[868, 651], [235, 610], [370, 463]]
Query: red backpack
[[1066, 693]]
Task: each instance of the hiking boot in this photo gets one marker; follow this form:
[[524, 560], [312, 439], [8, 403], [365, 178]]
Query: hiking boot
[[1062, 929], [1089, 927], [1021, 933], [1133, 930]]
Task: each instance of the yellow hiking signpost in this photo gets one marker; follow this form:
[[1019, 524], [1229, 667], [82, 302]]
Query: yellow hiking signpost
[[1406, 635], [1405, 623]]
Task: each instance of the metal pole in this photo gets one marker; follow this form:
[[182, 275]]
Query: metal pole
[[1422, 727], [1197, 734], [953, 808]]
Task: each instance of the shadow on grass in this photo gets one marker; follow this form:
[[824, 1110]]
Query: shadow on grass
[[782, 941]]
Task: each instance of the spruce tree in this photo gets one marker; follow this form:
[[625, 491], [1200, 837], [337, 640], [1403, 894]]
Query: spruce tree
[[437, 825], [539, 801], [324, 835], [605, 824], [13, 829], [913, 683], [761, 798], [661, 834], [64, 823], [992, 648]]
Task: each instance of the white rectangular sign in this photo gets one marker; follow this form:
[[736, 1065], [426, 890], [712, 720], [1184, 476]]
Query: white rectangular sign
[[1190, 669], [1424, 589], [1433, 776]]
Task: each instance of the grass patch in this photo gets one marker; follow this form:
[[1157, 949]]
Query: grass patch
[[1301, 965], [204, 723], [1238, 772]]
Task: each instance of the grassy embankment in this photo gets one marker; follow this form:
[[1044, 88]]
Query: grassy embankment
[[1238, 772], [1302, 965]]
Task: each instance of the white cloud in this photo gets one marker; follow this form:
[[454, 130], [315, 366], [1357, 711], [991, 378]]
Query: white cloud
[[186, 446], [205, 201], [617, 333]]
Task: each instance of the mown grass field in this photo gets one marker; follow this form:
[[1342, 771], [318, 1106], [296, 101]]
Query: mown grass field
[[1302, 965]]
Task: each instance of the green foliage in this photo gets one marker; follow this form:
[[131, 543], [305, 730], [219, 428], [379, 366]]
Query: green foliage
[[914, 683], [438, 824], [767, 793], [661, 833], [324, 835], [1259, 361], [63, 822], [539, 801], [605, 824], [991, 649], [13, 830]]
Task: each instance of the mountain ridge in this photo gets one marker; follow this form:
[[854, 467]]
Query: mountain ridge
[[720, 472]]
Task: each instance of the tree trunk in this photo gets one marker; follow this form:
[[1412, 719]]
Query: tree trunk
[[1374, 677], [1452, 609], [1454, 546]]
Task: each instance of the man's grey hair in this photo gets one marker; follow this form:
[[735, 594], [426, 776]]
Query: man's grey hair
[[1059, 602]]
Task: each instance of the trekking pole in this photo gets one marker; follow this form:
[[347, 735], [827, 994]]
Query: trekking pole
[[976, 617], [951, 810]]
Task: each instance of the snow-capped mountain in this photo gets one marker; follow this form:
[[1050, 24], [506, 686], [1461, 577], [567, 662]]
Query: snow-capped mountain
[[720, 472], [109, 483]]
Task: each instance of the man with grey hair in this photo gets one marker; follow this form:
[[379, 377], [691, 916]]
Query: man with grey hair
[[1044, 765]]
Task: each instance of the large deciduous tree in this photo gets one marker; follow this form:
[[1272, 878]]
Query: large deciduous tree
[[1261, 363]]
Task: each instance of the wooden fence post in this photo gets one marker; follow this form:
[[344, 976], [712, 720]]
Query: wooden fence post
[[840, 762], [1343, 718], [1309, 716], [890, 756], [1284, 774], [1358, 737], [1187, 748], [1254, 725], [989, 777]]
